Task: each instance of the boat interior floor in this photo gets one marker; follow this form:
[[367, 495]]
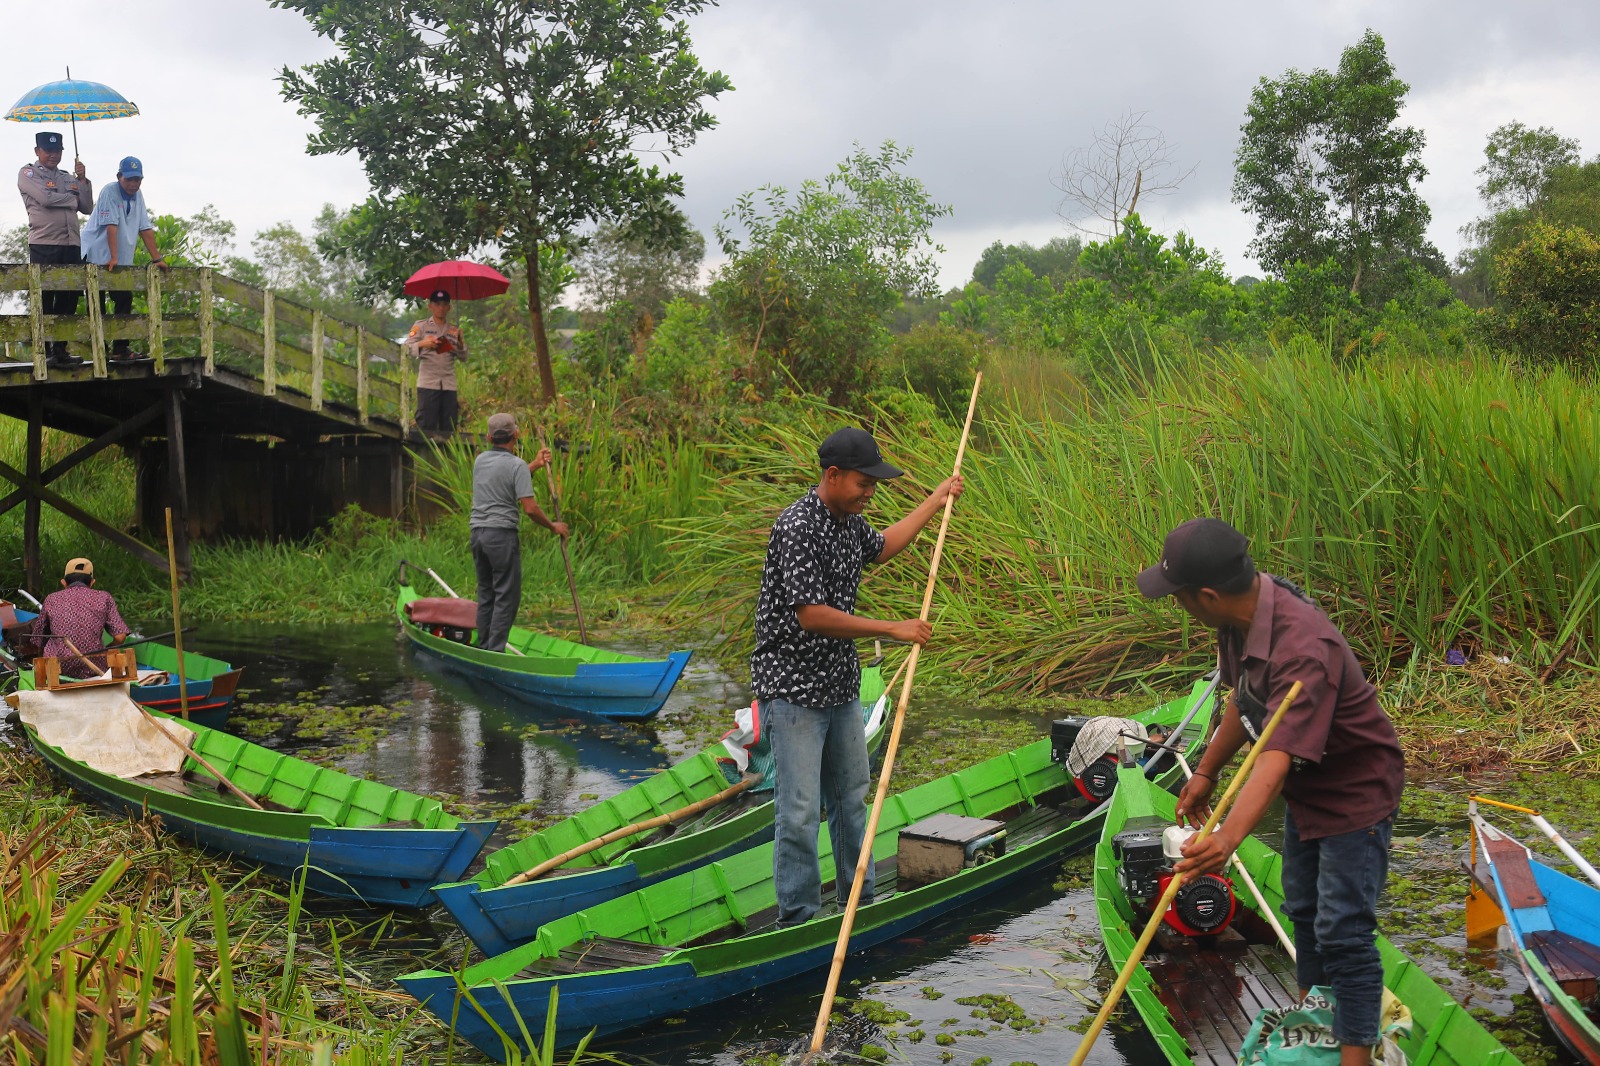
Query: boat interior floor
[[1213, 990], [1574, 963], [604, 953]]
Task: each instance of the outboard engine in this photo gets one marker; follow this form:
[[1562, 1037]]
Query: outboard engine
[[1087, 749], [452, 633], [1145, 852]]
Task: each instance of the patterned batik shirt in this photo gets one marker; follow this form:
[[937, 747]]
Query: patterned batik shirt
[[83, 615], [812, 558]]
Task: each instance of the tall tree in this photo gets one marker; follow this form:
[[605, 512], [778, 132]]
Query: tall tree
[[1518, 161], [501, 123], [1125, 161], [1330, 173], [812, 276]]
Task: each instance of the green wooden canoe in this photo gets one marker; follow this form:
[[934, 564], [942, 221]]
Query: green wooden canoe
[[499, 917], [709, 934], [353, 837], [1198, 996]]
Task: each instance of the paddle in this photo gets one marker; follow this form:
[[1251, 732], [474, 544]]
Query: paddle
[[1176, 883], [555, 512], [864, 861], [177, 624], [128, 643]]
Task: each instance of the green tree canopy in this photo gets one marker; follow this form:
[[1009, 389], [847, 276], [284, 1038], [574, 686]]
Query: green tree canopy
[[1329, 172], [812, 276], [484, 124], [1056, 259], [1518, 161], [1549, 295]]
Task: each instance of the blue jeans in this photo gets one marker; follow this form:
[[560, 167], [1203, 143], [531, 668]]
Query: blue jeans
[[1330, 893], [821, 757]]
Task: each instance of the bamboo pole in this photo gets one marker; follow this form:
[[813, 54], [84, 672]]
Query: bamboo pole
[[555, 511], [864, 860], [670, 817], [187, 750], [1176, 883], [177, 624]]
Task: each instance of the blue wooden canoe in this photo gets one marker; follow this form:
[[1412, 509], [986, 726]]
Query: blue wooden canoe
[[211, 686], [707, 935], [551, 672], [500, 916], [354, 838], [1554, 922]]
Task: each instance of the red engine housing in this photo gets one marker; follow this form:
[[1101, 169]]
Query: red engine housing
[[1203, 906], [1098, 780]]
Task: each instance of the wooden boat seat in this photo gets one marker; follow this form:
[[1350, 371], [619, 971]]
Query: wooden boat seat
[[1511, 863], [599, 953], [1574, 963], [443, 611]]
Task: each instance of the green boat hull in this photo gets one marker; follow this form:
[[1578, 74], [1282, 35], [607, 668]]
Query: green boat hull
[[350, 837], [1443, 1033], [499, 917], [704, 936]]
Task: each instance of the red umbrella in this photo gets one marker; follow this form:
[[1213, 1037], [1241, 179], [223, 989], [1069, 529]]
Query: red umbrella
[[461, 279]]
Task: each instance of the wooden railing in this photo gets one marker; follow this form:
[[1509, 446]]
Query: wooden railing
[[195, 312]]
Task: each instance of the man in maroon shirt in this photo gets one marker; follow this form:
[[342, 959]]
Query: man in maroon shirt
[[1335, 758], [81, 614]]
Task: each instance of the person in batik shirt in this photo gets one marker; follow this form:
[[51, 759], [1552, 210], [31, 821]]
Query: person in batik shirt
[[83, 615]]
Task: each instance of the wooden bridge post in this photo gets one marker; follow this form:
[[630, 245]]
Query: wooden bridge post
[[178, 482], [30, 503], [97, 322], [362, 388], [152, 295], [316, 359], [208, 341], [269, 346], [36, 322]]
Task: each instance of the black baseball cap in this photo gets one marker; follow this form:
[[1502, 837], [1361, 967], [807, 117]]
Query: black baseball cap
[[1201, 553], [49, 140], [439, 296], [854, 449]]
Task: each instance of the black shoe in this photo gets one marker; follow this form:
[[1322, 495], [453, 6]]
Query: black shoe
[[64, 362]]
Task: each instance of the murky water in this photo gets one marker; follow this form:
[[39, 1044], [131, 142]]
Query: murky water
[[1036, 945]]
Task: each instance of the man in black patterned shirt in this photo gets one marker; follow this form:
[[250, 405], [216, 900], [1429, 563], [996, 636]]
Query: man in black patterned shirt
[[805, 672]]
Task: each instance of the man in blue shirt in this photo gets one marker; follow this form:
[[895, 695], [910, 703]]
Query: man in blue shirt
[[120, 219]]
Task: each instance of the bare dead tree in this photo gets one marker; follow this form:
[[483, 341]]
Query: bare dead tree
[[1103, 182]]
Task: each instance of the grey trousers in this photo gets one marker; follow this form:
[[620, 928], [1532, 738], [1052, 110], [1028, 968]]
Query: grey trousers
[[497, 556]]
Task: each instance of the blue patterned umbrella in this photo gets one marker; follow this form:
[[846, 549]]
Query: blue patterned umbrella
[[71, 99]]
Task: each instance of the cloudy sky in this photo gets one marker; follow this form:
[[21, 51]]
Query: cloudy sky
[[990, 96]]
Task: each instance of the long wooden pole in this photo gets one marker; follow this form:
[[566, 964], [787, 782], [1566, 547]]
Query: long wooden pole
[[177, 623], [637, 827], [1176, 883], [555, 513], [864, 860], [187, 750]]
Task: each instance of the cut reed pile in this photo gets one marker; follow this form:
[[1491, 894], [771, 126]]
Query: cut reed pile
[[1425, 504]]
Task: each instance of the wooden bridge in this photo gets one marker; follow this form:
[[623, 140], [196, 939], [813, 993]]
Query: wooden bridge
[[252, 416]]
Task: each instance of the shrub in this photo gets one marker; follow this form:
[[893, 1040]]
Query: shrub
[[936, 360], [1549, 295]]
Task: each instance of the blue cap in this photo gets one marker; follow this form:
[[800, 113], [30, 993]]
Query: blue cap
[[50, 142], [130, 167]]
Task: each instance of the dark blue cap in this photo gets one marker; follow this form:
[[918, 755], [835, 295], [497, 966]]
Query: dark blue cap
[[49, 141]]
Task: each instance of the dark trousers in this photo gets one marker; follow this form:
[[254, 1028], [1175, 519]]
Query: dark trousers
[[497, 556], [121, 304], [437, 409], [57, 301], [1330, 893]]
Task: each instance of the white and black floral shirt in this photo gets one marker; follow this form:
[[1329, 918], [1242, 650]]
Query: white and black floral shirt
[[812, 558]]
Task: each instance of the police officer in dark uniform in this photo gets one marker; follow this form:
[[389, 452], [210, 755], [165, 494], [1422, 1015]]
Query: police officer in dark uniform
[[54, 198]]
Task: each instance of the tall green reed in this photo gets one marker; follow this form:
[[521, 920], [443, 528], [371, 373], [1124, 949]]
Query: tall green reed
[[1424, 503]]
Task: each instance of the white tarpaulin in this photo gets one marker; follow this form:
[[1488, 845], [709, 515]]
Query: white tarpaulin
[[104, 728]]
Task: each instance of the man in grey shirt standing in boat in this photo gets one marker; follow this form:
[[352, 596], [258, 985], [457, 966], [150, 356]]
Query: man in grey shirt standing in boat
[[502, 492]]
